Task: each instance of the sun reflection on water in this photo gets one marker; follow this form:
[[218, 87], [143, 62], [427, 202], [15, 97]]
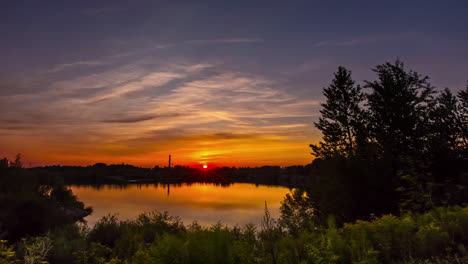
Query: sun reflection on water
[[238, 203]]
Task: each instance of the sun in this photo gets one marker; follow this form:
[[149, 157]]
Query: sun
[[205, 166]]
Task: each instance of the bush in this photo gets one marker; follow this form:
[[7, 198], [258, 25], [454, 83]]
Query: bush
[[438, 236]]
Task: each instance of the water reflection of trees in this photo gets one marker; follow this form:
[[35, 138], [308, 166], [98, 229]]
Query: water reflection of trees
[[156, 185]]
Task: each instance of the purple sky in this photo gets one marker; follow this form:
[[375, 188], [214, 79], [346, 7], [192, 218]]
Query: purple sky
[[213, 81]]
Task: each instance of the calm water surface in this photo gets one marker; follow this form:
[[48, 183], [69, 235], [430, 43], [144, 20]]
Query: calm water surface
[[239, 203]]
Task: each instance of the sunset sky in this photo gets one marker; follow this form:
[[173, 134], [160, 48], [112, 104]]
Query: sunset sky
[[235, 83]]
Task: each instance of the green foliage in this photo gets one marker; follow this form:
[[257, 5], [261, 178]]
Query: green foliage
[[155, 223], [7, 253], [245, 245], [417, 194], [169, 249], [297, 211], [36, 250], [213, 245], [106, 231], [390, 239], [438, 236], [270, 236], [68, 240], [94, 253]]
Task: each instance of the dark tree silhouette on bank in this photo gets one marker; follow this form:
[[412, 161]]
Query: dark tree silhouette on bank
[[342, 120], [401, 146], [30, 207], [398, 105]]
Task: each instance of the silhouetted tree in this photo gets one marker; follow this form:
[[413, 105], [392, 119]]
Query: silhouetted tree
[[410, 145], [425, 175], [346, 177], [17, 163], [4, 163], [342, 120], [463, 110], [297, 211], [398, 103], [30, 208], [437, 178], [447, 129]]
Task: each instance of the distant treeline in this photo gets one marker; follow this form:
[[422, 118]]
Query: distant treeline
[[100, 173]]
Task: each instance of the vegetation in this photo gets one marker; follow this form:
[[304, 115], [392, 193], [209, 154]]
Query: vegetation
[[438, 236], [400, 146], [29, 208]]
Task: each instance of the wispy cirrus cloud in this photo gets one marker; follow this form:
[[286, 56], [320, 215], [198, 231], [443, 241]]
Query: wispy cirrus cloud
[[224, 40], [148, 49], [362, 40], [154, 80], [139, 118], [62, 67]]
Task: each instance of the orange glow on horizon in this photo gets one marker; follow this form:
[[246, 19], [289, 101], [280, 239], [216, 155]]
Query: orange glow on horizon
[[190, 151]]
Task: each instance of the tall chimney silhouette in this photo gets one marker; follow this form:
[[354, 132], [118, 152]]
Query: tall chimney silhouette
[[169, 163]]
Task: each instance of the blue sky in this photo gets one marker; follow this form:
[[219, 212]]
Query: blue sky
[[211, 80]]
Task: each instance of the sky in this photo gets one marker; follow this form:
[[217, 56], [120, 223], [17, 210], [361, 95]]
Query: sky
[[224, 83]]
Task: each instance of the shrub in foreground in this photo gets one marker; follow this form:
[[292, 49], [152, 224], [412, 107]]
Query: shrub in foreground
[[438, 236]]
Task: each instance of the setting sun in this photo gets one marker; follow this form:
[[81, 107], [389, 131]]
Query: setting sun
[[205, 166]]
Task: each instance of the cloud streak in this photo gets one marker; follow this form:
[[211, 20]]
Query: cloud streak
[[136, 119], [225, 40], [362, 40], [148, 49], [65, 66]]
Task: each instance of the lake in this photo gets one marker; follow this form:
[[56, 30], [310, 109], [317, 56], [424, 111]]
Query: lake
[[238, 203]]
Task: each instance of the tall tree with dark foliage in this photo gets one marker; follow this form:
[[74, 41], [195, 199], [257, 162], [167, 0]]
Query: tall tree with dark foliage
[[342, 120]]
